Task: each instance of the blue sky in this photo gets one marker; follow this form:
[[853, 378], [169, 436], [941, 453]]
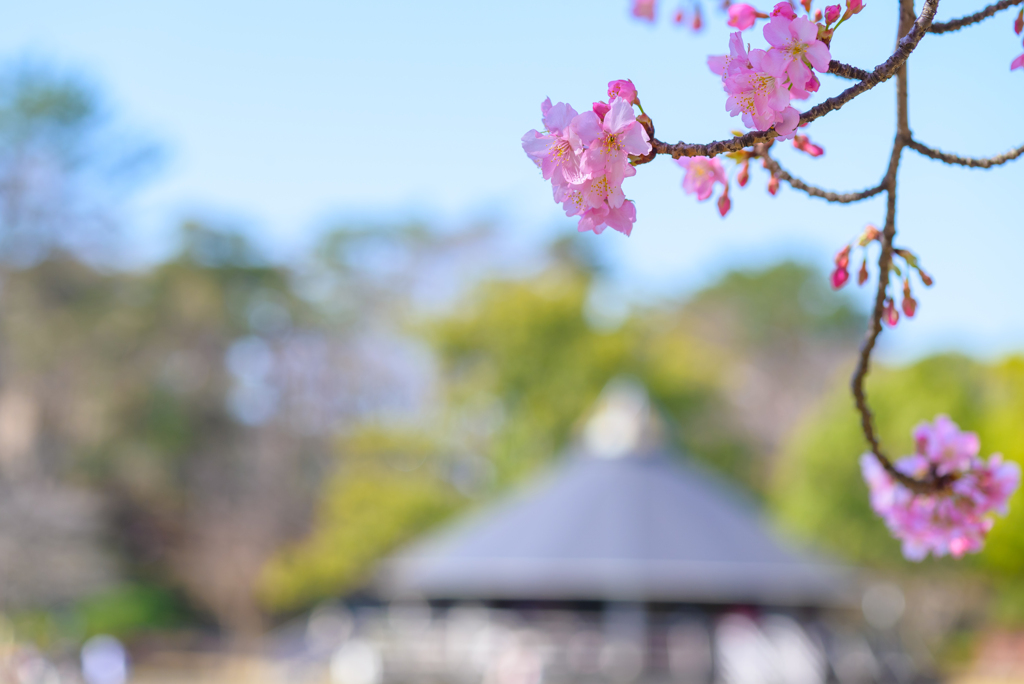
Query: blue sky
[[282, 116]]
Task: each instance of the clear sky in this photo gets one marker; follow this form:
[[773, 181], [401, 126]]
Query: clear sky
[[284, 115]]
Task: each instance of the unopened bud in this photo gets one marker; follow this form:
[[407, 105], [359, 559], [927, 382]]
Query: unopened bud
[[869, 235], [842, 258], [862, 274], [744, 175], [832, 13], [773, 185], [889, 313], [839, 277], [802, 143], [1018, 25], [925, 278], [679, 17], [817, 15], [723, 203], [806, 5], [909, 306], [698, 22]]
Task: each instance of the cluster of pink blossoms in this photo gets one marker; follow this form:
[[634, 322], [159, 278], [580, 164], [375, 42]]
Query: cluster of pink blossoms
[[586, 157], [761, 84], [954, 521]]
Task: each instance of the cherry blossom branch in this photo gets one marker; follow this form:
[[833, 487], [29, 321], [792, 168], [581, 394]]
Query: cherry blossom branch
[[851, 72], [966, 161], [957, 24], [881, 73], [932, 482], [783, 175]]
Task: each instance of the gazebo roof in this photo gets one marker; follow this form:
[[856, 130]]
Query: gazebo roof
[[616, 520]]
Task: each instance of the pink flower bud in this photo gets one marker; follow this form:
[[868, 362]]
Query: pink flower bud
[[839, 278], [806, 5], [773, 185], [832, 13], [909, 306], [817, 15], [723, 203], [842, 258], [811, 86], [925, 278], [601, 108], [854, 6], [698, 21], [742, 16], [802, 143], [679, 16], [743, 177], [644, 9], [624, 89], [784, 9], [889, 314], [862, 274]]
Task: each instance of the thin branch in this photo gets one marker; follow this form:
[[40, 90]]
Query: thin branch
[[966, 161], [797, 184], [957, 24], [881, 73], [846, 71]]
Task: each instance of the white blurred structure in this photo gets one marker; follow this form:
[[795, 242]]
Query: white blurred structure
[[104, 661]]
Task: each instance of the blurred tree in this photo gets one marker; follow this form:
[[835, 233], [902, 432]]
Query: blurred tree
[[65, 167]]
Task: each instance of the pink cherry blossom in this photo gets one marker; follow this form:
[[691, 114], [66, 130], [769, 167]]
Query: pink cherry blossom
[[742, 16], [701, 175], [954, 521], [624, 89], [797, 41], [611, 140], [760, 96], [620, 218], [803, 143], [945, 446], [735, 62], [559, 152]]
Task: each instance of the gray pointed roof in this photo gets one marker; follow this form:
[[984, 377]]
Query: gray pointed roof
[[629, 523]]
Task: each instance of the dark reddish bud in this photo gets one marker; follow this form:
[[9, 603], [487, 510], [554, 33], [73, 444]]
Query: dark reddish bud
[[806, 5], [862, 274], [744, 175], [889, 314], [723, 203], [925, 278], [1018, 25], [773, 185], [839, 277], [698, 22], [909, 306], [679, 17]]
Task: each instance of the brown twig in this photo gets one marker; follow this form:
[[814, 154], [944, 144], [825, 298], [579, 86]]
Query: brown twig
[[881, 73], [931, 483], [972, 162], [957, 24], [797, 184], [846, 71]]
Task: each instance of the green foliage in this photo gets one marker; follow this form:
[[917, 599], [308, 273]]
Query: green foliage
[[386, 493], [130, 609], [819, 492]]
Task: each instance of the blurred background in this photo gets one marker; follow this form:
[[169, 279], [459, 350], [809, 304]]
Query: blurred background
[[280, 294]]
